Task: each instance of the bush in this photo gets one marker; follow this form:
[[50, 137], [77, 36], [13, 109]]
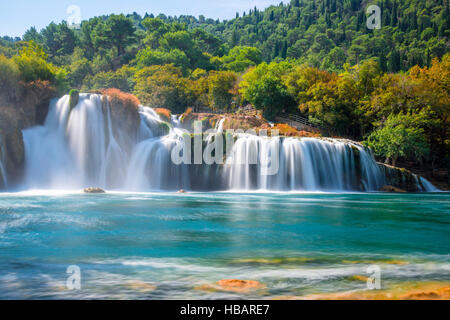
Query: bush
[[126, 99], [32, 64], [186, 115], [9, 75], [121, 79], [149, 57], [288, 131], [164, 114], [163, 87], [399, 137]]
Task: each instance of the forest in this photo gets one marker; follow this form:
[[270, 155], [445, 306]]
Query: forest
[[388, 87]]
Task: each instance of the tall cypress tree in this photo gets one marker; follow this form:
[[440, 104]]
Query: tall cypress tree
[[383, 62], [394, 19], [284, 50]]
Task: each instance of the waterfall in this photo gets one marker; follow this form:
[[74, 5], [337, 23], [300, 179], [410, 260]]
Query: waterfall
[[427, 186], [4, 180], [74, 148], [83, 147], [175, 119], [219, 125], [304, 164]]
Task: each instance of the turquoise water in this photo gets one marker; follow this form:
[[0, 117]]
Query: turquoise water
[[173, 246]]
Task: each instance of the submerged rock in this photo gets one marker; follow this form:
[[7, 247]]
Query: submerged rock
[[233, 285], [392, 189], [94, 190], [400, 291], [140, 286], [239, 285], [358, 277]]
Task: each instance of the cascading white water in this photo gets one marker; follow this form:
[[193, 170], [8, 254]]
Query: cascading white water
[[219, 125], [79, 148], [426, 185], [75, 148], [304, 164], [150, 167], [175, 119], [4, 178]]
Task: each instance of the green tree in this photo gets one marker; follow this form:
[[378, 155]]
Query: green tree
[[221, 85], [265, 89], [122, 79], [399, 137], [33, 65], [121, 32], [148, 57], [241, 58], [163, 87], [9, 76]]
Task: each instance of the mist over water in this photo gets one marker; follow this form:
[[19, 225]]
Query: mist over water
[[81, 148]]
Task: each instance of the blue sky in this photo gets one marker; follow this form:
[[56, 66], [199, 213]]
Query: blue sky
[[16, 16]]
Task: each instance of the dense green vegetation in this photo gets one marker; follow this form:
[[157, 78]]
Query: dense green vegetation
[[389, 87], [328, 33]]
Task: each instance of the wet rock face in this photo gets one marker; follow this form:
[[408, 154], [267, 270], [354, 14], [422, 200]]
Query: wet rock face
[[400, 180], [26, 108], [74, 97], [12, 154], [29, 106], [12, 149], [124, 117]]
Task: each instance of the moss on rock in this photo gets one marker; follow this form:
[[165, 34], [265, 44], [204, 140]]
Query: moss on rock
[[74, 97], [400, 179]]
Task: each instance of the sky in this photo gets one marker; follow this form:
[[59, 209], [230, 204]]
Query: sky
[[16, 16]]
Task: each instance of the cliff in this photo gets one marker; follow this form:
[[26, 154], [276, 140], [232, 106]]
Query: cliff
[[27, 107]]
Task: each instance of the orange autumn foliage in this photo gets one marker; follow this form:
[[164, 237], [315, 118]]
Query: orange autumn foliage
[[126, 99], [164, 114], [288, 131]]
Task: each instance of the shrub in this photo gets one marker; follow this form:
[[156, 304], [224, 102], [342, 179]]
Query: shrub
[[186, 115], [32, 64], [163, 87], [9, 75], [288, 131], [399, 137], [121, 79], [164, 114], [126, 99]]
